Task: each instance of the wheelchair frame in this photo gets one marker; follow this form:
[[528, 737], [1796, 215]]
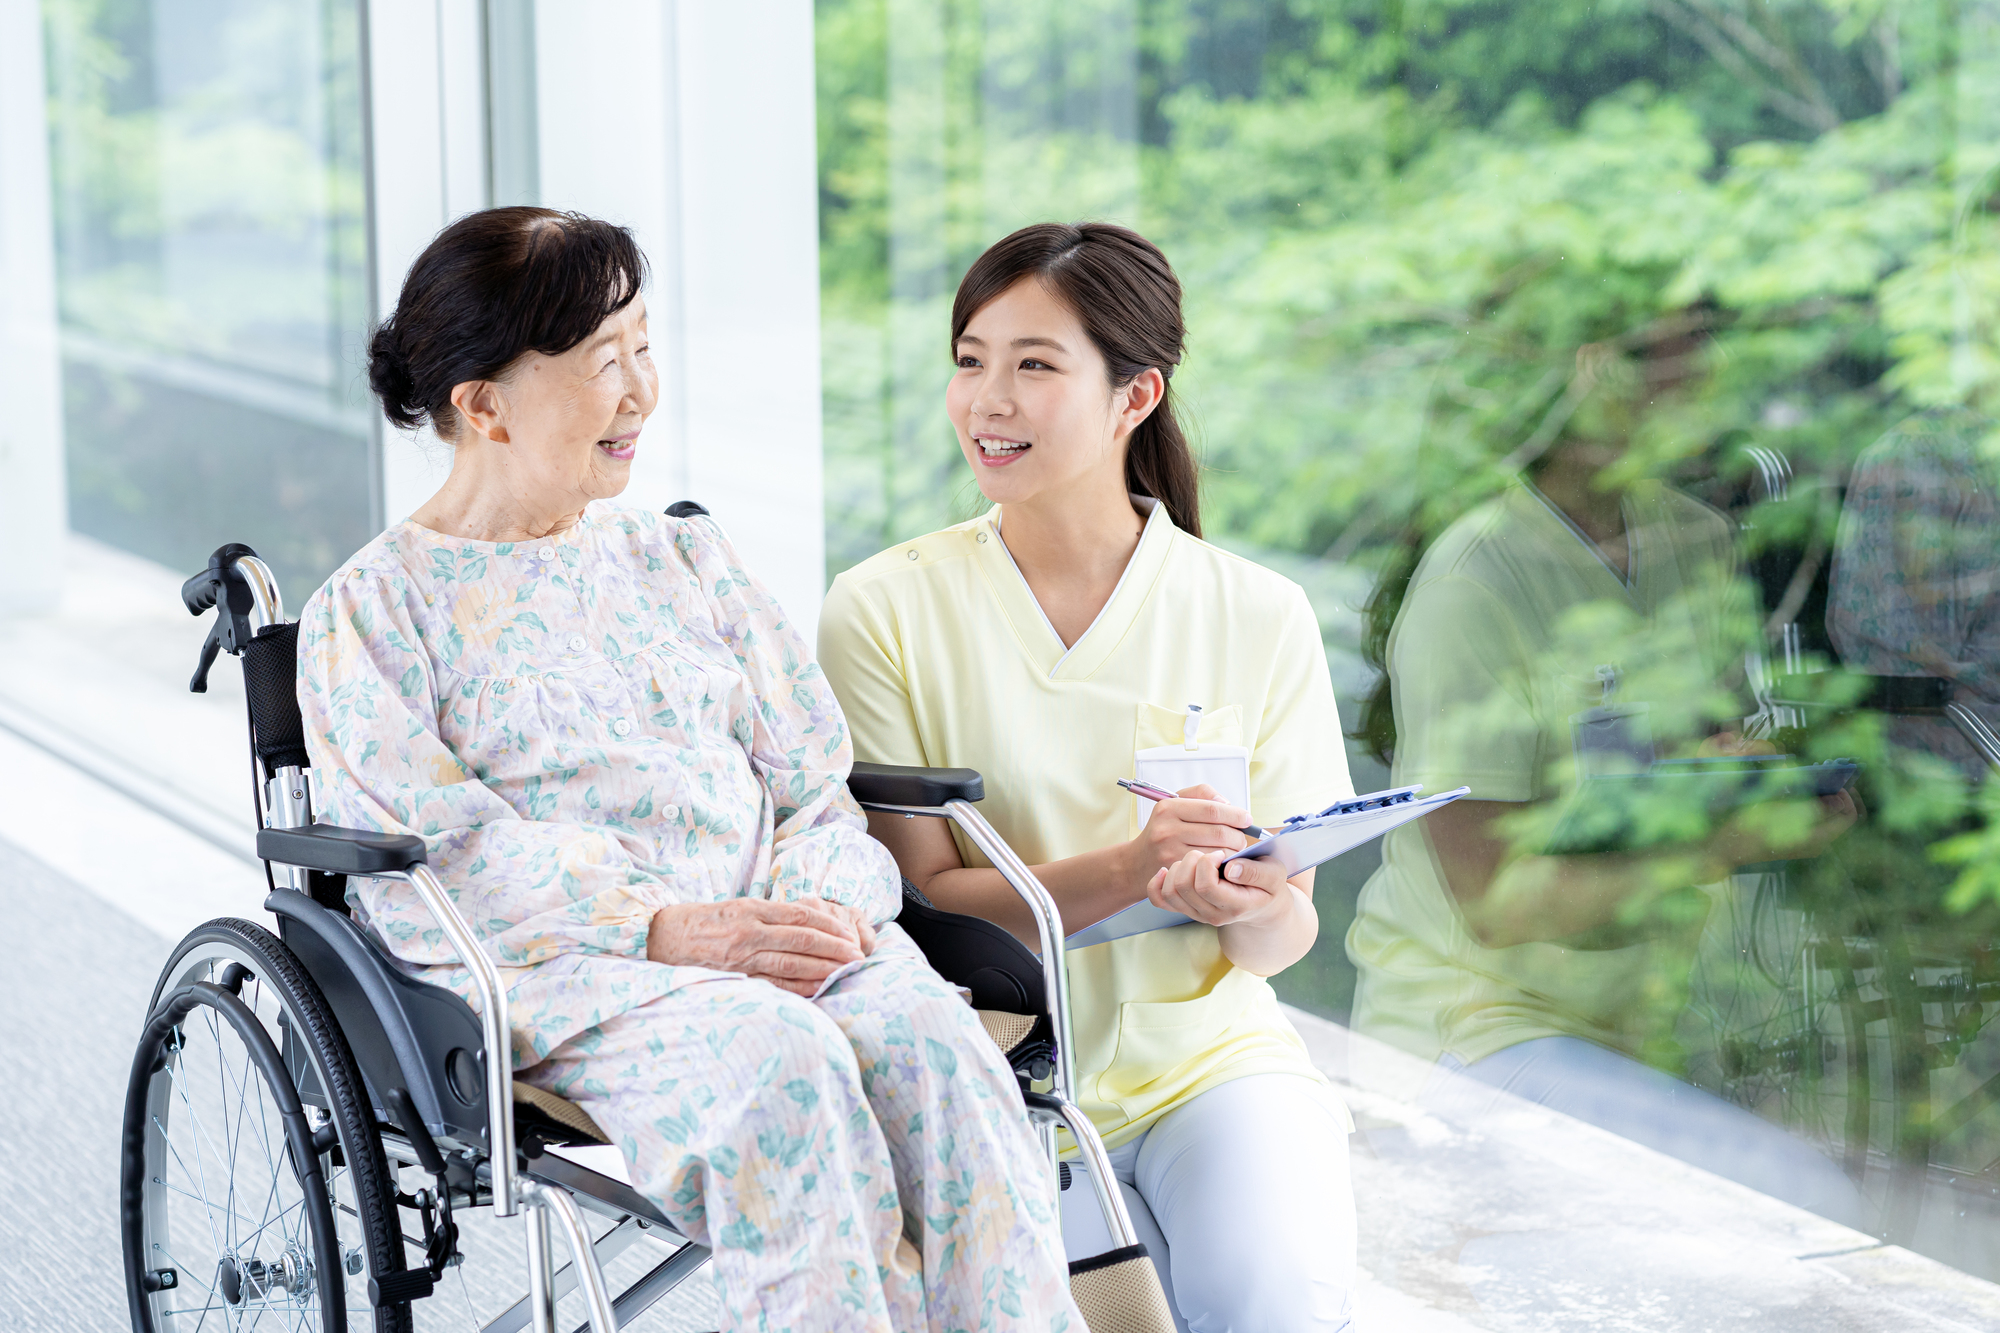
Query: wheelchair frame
[[521, 1177]]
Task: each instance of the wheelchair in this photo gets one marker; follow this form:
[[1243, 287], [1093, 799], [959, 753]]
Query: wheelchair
[[1845, 1003], [286, 1087]]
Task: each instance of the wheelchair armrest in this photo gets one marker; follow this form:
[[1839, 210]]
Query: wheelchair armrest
[[894, 784], [341, 851]]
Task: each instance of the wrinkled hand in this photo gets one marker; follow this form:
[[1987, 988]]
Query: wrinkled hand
[[1749, 837], [794, 946], [1198, 886], [1200, 821]]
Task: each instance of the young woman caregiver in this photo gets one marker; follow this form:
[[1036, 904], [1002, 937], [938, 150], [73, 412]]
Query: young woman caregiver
[[1056, 644]]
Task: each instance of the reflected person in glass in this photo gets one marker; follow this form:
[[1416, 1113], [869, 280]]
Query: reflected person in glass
[[1583, 621], [630, 774]]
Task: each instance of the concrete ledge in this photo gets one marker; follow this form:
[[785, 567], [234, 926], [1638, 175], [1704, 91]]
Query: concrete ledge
[[1533, 1221]]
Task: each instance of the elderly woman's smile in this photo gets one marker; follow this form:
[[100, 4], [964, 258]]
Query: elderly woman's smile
[[547, 434]]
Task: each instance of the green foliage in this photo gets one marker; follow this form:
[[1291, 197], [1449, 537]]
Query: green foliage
[[166, 241], [1397, 221]]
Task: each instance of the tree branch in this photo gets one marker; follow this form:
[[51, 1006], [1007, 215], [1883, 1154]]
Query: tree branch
[[1751, 56]]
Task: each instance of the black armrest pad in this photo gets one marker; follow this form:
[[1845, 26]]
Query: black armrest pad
[[892, 784], [340, 851]]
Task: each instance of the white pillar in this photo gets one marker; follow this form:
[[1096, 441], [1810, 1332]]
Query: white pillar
[[34, 502], [426, 166], [713, 164], [708, 152], [750, 219]]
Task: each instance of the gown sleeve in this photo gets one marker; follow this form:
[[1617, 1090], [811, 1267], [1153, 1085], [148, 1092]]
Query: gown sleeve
[[531, 889], [798, 741]]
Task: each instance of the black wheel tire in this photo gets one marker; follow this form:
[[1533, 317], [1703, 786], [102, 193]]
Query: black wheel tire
[[242, 988]]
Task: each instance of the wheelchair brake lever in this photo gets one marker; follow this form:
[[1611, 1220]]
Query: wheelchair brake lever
[[209, 648]]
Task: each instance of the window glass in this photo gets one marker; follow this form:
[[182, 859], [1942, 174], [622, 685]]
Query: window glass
[[1619, 381], [211, 262]]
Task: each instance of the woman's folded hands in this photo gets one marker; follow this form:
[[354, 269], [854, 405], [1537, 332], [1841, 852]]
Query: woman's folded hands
[[793, 945]]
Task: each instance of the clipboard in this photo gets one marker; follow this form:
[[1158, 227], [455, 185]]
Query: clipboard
[[1301, 842]]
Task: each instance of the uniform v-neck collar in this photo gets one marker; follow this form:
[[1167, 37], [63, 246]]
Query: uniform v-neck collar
[[1628, 582], [1032, 630]]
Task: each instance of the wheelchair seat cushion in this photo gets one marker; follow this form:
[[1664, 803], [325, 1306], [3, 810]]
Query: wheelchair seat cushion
[[1007, 1030], [548, 1106]]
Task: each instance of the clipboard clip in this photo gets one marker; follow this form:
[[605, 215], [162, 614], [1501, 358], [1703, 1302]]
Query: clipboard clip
[[1380, 800]]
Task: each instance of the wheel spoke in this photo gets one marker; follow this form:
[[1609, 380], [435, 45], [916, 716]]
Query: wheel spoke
[[198, 1177], [188, 1274], [225, 1161], [215, 1099], [170, 1186], [268, 1218]]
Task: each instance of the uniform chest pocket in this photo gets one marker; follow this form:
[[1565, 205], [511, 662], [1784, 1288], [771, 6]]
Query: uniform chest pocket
[[1158, 726]]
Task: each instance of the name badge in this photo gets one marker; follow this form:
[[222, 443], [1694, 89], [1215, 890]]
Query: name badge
[[1174, 767]]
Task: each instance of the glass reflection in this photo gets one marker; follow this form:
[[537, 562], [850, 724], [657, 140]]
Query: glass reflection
[[1571, 649], [211, 276], [1396, 226]]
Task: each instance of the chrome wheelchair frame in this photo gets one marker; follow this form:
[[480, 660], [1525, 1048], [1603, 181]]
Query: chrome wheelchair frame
[[369, 1069]]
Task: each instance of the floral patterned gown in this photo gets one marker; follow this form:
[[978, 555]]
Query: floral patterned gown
[[586, 728]]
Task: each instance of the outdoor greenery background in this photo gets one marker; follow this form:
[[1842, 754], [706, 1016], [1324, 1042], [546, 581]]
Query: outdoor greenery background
[[1396, 221]]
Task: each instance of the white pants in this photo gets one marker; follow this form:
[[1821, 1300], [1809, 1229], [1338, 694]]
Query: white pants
[[1243, 1200]]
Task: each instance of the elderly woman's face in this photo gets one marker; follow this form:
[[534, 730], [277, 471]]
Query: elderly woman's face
[[569, 424]]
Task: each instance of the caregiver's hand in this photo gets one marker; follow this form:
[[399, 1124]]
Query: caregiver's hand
[[1241, 892], [794, 945], [1199, 821]]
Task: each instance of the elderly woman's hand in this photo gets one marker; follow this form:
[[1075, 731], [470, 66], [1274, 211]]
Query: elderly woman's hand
[[793, 945]]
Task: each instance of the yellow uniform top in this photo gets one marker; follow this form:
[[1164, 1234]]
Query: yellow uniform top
[[941, 657], [1511, 621]]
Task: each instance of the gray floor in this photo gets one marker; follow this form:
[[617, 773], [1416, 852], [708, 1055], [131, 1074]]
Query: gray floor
[[71, 1001], [70, 1005]]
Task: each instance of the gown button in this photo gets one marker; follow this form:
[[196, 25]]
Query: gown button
[[622, 727], [576, 643], [547, 553]]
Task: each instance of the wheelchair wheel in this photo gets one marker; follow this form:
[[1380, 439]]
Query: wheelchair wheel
[[253, 1190]]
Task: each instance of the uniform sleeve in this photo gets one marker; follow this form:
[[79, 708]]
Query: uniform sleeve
[[863, 661], [1298, 762], [797, 741], [531, 889], [1464, 715]]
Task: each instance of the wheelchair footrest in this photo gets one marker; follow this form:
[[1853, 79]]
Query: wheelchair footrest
[[396, 1288]]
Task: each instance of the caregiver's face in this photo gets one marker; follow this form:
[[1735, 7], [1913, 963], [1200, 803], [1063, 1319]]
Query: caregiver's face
[[570, 423], [1032, 401]]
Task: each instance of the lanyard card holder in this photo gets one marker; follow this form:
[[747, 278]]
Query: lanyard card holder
[[1612, 738], [1177, 767], [1615, 738]]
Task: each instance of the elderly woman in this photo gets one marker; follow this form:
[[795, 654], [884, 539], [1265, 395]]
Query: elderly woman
[[630, 773]]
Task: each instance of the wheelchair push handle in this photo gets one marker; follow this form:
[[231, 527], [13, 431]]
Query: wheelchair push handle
[[239, 587], [201, 592]]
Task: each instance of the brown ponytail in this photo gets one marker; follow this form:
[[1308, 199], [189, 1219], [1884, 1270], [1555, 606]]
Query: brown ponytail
[[1125, 294]]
